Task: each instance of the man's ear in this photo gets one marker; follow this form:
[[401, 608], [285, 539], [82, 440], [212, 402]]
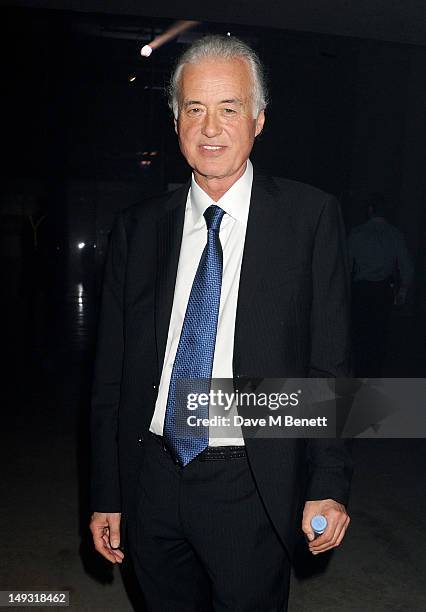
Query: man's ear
[[260, 121], [175, 124]]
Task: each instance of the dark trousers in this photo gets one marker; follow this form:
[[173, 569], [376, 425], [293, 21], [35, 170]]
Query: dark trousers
[[202, 540], [371, 310]]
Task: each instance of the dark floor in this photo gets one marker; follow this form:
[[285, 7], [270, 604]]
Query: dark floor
[[44, 503]]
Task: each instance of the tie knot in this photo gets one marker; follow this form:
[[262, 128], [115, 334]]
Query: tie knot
[[213, 216]]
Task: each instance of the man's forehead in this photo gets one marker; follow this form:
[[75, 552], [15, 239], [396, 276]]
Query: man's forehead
[[229, 80], [217, 69]]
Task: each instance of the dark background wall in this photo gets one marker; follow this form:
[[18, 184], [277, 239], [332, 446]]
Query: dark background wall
[[374, 19]]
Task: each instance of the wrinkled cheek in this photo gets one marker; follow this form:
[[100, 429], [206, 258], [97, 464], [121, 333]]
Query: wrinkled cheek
[[189, 153], [183, 147]]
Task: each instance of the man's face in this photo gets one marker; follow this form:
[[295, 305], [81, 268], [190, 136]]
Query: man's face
[[215, 126]]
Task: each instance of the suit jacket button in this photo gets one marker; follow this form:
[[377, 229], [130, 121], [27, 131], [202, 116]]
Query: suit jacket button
[[140, 440]]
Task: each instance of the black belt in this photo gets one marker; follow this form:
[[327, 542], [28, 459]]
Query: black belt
[[211, 453]]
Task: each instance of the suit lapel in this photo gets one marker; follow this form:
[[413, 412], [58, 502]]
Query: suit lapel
[[169, 237], [256, 265]]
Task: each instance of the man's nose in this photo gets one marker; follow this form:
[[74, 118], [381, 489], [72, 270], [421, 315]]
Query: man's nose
[[211, 125]]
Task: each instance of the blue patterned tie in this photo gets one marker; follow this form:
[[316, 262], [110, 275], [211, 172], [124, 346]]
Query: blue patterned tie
[[193, 364]]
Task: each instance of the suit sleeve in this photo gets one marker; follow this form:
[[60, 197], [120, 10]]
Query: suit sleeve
[[329, 461], [105, 487]]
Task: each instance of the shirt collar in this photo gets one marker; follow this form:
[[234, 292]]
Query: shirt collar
[[235, 202]]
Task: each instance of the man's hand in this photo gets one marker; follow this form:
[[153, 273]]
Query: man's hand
[[105, 528], [337, 523]]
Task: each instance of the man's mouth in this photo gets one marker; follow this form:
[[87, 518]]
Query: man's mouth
[[212, 147]]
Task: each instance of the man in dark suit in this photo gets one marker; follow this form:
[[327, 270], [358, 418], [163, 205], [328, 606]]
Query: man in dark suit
[[233, 275]]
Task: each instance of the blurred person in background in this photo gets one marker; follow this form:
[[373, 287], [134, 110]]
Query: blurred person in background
[[382, 273]]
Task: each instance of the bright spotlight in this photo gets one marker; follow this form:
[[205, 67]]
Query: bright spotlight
[[81, 245], [176, 29], [146, 51]]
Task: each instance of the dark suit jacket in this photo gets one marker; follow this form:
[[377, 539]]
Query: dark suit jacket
[[292, 321]]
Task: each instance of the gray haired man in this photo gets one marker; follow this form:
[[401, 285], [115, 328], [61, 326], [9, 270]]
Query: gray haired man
[[235, 274]]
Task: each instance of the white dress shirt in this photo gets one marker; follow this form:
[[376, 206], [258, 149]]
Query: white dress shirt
[[235, 202]]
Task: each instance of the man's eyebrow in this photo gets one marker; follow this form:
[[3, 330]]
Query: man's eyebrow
[[232, 101], [191, 102], [229, 101]]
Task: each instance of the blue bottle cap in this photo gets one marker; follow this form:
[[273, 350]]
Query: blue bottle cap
[[319, 523]]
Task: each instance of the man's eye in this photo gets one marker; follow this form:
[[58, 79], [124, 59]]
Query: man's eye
[[229, 111], [194, 111]]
